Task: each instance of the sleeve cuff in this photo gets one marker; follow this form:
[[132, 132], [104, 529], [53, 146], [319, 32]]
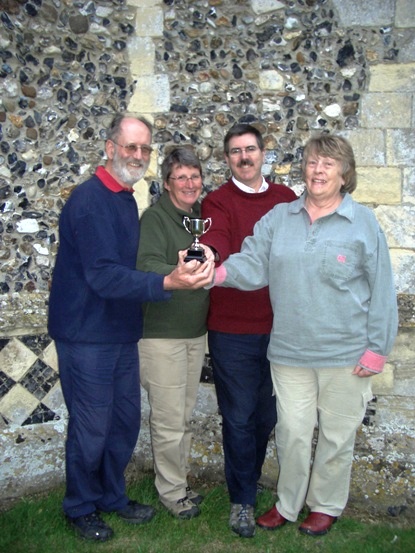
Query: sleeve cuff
[[220, 275], [218, 279], [372, 361]]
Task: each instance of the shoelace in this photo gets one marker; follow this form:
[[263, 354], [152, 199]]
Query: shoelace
[[243, 514]]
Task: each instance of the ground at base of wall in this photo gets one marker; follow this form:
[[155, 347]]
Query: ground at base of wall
[[376, 513], [385, 496], [394, 506], [398, 511]]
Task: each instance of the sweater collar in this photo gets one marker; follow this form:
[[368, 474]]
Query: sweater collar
[[109, 182], [175, 212]]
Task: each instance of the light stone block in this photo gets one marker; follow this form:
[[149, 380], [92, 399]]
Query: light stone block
[[403, 351], [265, 6], [398, 223], [403, 263], [54, 400], [402, 357], [141, 188], [378, 185], [361, 13], [141, 52], [149, 22], [368, 146], [408, 195], [151, 95], [142, 196], [50, 356], [400, 147], [16, 359], [383, 382], [392, 77], [386, 110], [17, 405], [405, 13]]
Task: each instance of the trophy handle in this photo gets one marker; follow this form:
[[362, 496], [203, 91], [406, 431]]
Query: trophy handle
[[186, 221], [207, 224]]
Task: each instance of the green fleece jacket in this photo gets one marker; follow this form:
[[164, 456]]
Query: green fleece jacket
[[162, 235]]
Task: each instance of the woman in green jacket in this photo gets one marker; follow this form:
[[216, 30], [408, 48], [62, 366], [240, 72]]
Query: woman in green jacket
[[173, 346]]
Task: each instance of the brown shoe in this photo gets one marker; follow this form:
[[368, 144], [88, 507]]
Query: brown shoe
[[317, 524], [271, 520]]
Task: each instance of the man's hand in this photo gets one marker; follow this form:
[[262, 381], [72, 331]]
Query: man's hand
[[189, 276], [209, 254]]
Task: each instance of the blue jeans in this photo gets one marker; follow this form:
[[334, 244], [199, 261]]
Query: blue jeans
[[100, 385], [241, 372]]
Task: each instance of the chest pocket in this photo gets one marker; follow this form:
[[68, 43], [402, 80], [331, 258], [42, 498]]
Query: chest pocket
[[340, 261]]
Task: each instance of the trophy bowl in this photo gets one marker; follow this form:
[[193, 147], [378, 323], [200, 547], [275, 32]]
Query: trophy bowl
[[196, 227]]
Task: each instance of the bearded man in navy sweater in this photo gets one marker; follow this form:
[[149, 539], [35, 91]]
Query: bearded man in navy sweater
[[95, 319]]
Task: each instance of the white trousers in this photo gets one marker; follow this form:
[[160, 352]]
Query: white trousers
[[336, 401], [170, 372]]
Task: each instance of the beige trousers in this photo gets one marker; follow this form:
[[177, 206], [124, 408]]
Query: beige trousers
[[334, 400], [170, 372]]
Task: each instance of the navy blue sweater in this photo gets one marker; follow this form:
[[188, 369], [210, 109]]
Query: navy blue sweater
[[96, 290]]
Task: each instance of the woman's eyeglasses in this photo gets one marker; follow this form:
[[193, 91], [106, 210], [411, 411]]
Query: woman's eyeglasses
[[182, 179]]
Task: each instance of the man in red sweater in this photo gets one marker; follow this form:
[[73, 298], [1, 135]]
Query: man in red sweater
[[239, 324]]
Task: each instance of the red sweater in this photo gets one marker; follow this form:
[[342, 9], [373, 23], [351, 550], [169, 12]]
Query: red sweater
[[234, 214]]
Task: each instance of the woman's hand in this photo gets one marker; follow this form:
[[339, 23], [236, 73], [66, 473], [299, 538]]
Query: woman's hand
[[362, 373]]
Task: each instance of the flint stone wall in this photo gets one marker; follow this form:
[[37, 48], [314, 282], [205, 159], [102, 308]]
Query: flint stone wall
[[195, 67]]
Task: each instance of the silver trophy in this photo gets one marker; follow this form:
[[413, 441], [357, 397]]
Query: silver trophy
[[196, 227]]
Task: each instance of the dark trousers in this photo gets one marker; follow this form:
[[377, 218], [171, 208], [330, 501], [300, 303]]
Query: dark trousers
[[100, 385], [244, 391]]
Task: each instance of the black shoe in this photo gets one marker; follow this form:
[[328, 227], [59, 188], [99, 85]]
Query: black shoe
[[91, 527], [136, 513]]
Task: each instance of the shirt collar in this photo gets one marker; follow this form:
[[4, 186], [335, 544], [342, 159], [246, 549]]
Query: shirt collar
[[248, 189], [109, 182], [345, 209]]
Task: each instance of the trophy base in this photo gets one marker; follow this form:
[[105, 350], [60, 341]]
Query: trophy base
[[199, 255]]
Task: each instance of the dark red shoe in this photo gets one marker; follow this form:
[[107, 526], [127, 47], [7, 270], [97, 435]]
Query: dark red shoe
[[317, 524], [271, 520]]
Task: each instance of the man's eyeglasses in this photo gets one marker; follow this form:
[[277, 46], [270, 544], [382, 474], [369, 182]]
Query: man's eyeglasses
[[182, 179], [238, 151], [132, 148]]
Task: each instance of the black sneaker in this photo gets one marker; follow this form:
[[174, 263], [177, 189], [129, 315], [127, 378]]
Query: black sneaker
[[136, 513], [91, 527]]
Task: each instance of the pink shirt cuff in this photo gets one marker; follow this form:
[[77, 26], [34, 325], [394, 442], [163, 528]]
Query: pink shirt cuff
[[372, 361], [220, 275]]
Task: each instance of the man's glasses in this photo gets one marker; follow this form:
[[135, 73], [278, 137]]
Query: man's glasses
[[182, 179], [238, 151], [132, 148]]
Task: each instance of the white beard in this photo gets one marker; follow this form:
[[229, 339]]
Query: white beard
[[125, 172]]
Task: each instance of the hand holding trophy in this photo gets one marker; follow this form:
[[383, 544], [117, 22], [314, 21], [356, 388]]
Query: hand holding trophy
[[196, 227]]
